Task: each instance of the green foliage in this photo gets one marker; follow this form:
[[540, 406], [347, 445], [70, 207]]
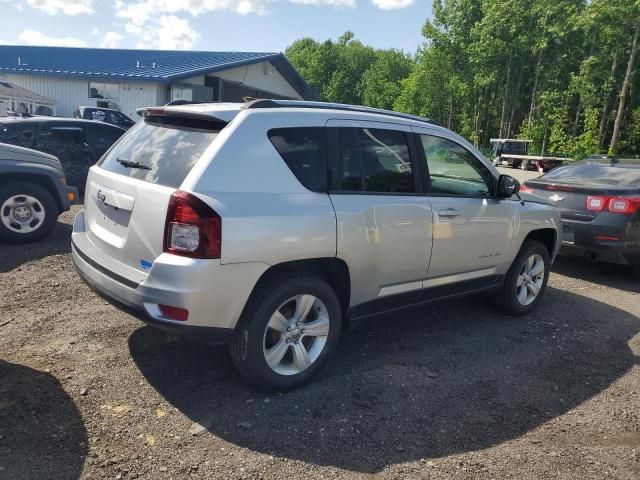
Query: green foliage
[[549, 70]]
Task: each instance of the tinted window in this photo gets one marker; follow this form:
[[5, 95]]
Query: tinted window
[[168, 147], [119, 119], [620, 174], [102, 137], [21, 135], [373, 160], [305, 152], [72, 135], [453, 170]]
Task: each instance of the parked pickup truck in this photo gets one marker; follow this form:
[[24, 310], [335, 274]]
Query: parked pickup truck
[[33, 192], [515, 153]]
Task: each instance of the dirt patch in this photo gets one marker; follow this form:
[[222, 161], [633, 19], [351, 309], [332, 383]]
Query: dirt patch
[[455, 390]]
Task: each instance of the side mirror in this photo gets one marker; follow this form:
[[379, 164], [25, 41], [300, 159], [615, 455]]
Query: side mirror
[[507, 186]]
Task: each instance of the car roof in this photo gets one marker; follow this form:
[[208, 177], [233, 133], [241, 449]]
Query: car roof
[[78, 121], [226, 111]]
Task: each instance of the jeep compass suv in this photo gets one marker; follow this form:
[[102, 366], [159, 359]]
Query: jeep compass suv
[[267, 224]]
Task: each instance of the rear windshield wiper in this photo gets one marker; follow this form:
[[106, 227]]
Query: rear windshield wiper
[[130, 164]]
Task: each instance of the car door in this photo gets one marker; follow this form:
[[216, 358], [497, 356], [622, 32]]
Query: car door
[[383, 223], [68, 142], [472, 230]]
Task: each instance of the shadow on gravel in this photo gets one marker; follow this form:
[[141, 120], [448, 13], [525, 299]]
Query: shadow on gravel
[[42, 435], [447, 379], [57, 243], [614, 276]]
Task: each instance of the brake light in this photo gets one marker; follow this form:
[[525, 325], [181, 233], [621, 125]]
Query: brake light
[[625, 206], [526, 189], [596, 204], [156, 111], [193, 228]]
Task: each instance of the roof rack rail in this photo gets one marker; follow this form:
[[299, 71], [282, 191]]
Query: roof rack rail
[[268, 103]]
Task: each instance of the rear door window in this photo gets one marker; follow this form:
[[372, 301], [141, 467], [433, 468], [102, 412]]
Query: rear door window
[[304, 150], [20, 135], [164, 149], [373, 160]]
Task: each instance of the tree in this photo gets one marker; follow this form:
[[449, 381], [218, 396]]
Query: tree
[[547, 70], [626, 85]]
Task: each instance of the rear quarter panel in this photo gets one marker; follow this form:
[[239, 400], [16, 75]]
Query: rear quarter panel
[[267, 214]]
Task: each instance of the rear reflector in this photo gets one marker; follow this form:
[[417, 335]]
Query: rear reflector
[[193, 228], [606, 238], [174, 313]]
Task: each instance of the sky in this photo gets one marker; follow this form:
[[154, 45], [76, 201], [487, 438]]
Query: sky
[[215, 25]]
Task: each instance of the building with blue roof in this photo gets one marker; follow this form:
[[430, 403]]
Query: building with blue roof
[[130, 79]]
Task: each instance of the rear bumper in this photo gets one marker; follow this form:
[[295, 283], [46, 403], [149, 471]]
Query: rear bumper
[[597, 243], [214, 294], [211, 335]]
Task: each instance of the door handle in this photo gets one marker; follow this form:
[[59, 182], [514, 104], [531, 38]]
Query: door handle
[[449, 212]]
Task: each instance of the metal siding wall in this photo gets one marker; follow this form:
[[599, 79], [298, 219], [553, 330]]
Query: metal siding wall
[[70, 93], [254, 76]]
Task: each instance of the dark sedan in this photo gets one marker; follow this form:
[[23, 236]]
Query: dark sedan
[[599, 200]]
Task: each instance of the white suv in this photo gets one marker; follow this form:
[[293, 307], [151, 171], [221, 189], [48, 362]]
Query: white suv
[[268, 224]]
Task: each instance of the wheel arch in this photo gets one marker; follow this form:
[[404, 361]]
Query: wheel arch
[[39, 179], [331, 269], [547, 237]]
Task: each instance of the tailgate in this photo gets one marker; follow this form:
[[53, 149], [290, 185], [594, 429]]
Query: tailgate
[[127, 193], [125, 217]]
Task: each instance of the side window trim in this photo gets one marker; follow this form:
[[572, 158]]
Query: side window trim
[[427, 177], [334, 128]]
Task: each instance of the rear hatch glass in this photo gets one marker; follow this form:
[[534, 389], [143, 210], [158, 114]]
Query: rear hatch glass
[[161, 150]]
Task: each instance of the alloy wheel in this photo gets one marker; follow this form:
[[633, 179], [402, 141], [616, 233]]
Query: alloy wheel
[[530, 279], [296, 334]]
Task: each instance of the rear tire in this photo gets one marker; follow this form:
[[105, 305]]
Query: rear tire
[[37, 215], [526, 280], [289, 329]]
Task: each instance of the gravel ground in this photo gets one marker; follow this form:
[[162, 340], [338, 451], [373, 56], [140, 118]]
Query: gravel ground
[[452, 391]]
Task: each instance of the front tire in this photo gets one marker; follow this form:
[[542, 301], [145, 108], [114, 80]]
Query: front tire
[[290, 327], [28, 212], [526, 280]]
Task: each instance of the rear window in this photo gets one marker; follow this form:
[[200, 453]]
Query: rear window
[[164, 149], [304, 150], [622, 175]]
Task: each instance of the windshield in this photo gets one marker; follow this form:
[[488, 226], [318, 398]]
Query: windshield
[[161, 150], [606, 174]]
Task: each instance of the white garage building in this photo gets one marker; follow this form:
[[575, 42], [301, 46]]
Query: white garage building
[[129, 79]]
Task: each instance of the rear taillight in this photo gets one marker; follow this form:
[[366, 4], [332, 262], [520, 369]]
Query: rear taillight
[[625, 206], [596, 204], [193, 228], [525, 189]]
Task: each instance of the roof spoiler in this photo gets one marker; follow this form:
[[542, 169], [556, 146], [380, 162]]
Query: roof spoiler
[[223, 116]]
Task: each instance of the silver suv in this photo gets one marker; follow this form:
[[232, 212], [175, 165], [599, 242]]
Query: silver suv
[[268, 224]]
